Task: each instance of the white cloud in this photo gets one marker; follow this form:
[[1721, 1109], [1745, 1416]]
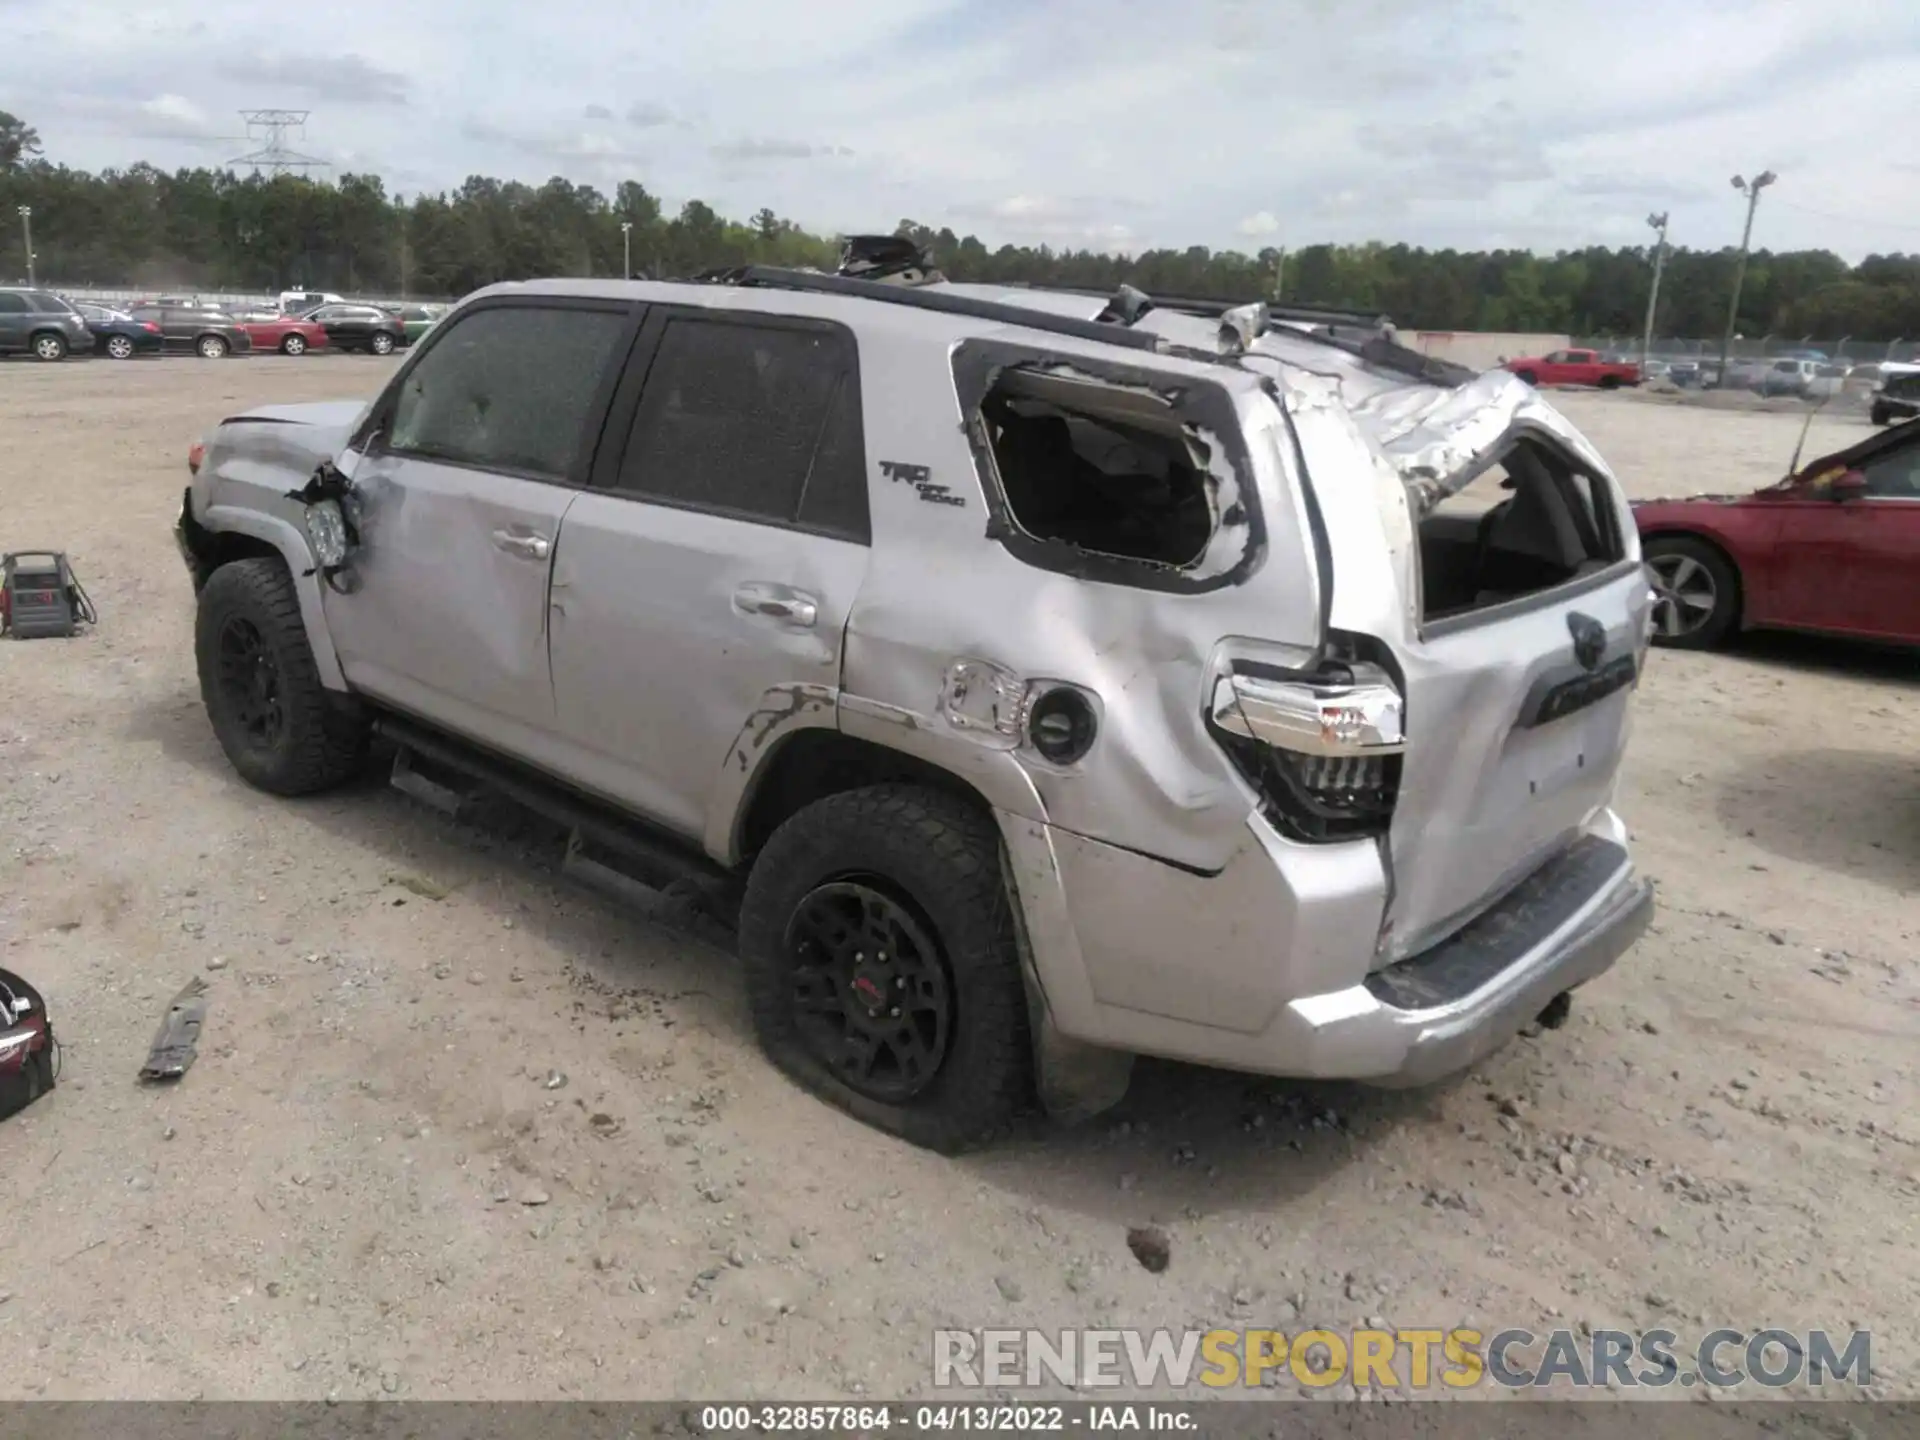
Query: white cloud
[[1097, 122], [175, 110]]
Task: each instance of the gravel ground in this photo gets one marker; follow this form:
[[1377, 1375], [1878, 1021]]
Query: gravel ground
[[458, 1129]]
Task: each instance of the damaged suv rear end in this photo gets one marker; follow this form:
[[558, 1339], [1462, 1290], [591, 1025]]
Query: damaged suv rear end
[[1367, 627], [1069, 677]]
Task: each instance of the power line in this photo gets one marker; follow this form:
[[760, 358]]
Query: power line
[[269, 130]]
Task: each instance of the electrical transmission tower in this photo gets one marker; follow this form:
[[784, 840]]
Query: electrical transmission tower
[[268, 131]]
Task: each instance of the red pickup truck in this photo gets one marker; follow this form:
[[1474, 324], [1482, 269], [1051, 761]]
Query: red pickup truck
[[1575, 367]]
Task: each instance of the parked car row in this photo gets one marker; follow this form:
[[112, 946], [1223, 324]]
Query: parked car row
[[49, 327]]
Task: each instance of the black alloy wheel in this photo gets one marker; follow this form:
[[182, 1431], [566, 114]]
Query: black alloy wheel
[[871, 997], [249, 678]]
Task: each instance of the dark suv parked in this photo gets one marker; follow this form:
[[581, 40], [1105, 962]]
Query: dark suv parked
[[41, 325], [211, 334]]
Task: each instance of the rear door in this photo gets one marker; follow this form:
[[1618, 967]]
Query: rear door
[[1498, 776], [465, 472], [715, 557]]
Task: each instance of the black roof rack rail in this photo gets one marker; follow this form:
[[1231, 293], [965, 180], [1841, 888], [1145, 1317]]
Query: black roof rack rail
[[942, 302]]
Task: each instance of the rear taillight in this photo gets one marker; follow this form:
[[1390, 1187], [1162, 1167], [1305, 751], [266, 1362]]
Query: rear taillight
[[1321, 749], [150, 327], [196, 453]]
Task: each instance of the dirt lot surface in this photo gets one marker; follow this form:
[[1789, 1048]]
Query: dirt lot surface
[[459, 1129]]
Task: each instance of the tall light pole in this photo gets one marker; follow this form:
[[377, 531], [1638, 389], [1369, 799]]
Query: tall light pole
[[626, 247], [1659, 224], [1751, 189], [26, 231]]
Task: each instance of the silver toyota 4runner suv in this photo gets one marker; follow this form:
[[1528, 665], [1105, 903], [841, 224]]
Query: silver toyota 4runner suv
[[1036, 679]]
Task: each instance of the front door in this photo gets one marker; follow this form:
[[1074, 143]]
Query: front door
[[1849, 565], [465, 472], [715, 558]]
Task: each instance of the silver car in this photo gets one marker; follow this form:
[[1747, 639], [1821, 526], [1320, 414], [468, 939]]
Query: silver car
[[1036, 679]]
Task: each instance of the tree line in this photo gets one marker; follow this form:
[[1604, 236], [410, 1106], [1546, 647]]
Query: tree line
[[217, 230]]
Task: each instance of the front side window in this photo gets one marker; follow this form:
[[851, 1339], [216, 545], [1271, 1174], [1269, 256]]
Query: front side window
[[508, 388], [756, 420]]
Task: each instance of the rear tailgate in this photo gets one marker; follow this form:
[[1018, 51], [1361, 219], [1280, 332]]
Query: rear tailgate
[[1516, 715], [1514, 741]]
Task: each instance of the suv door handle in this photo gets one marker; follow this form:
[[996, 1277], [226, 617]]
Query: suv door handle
[[776, 602], [533, 547]]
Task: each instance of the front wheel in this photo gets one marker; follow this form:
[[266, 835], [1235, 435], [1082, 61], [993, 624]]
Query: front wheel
[[1696, 593], [381, 344], [882, 968], [119, 347], [278, 724], [211, 347], [294, 345], [49, 346]]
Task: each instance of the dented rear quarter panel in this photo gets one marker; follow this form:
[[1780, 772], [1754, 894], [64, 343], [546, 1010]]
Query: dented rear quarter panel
[[941, 588]]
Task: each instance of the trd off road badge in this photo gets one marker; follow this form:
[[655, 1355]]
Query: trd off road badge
[[920, 477]]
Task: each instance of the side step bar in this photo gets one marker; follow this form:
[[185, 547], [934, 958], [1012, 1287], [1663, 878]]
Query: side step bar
[[605, 849]]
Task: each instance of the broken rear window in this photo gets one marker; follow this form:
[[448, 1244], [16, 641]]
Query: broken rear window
[[1532, 521], [1102, 468]]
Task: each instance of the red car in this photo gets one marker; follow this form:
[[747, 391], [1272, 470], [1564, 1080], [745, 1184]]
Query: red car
[[29, 1055], [290, 337], [1833, 548], [1575, 367]]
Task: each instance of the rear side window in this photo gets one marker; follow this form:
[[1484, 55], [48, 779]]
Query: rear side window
[[508, 388], [12, 304], [753, 420]]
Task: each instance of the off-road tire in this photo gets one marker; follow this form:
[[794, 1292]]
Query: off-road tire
[[1726, 588], [323, 739], [943, 856]]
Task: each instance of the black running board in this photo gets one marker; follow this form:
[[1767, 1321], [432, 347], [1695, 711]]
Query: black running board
[[606, 850]]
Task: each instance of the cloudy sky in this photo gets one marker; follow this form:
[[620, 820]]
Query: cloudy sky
[[1117, 124]]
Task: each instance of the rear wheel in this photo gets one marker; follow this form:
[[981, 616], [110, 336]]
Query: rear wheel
[[1696, 593], [211, 347], [294, 345], [278, 724], [881, 965], [120, 347], [1609, 382], [49, 346], [381, 343]]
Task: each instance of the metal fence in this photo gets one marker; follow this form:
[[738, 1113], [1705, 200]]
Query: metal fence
[[1843, 351]]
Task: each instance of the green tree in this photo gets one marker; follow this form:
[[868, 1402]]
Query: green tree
[[19, 142]]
